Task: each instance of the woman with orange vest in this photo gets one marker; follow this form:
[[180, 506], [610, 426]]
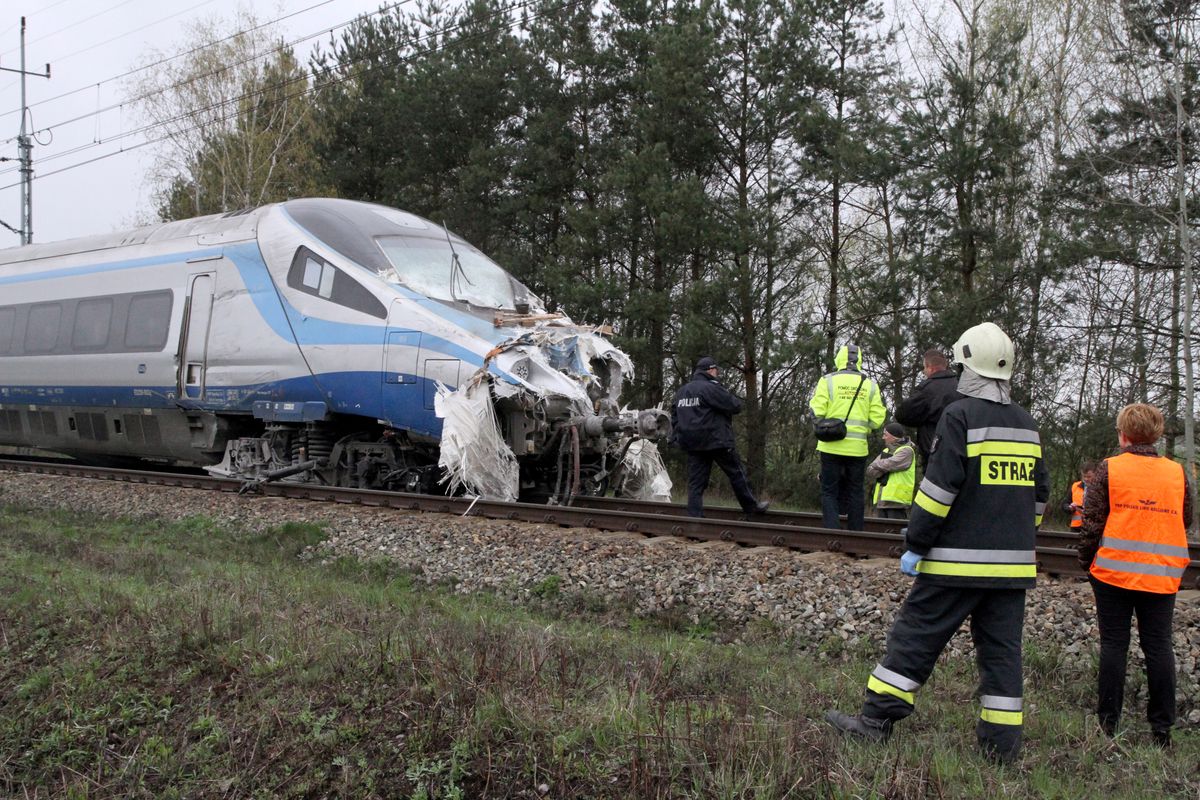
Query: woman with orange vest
[[1134, 545]]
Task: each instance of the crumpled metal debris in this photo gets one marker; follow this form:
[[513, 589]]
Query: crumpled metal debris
[[473, 454], [642, 474]]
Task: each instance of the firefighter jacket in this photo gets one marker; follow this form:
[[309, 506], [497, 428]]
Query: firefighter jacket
[[1077, 490], [975, 516], [832, 400], [1144, 546], [895, 471], [702, 416]]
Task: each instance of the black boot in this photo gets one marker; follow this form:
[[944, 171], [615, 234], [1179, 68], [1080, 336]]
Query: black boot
[[872, 729], [759, 509], [997, 756], [1162, 738]]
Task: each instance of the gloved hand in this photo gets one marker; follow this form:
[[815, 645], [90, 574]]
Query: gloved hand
[[908, 563]]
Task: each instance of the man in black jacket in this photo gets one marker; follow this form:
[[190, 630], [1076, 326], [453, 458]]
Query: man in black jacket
[[923, 408], [702, 424]]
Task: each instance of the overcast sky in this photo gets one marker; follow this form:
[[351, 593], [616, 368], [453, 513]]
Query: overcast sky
[[90, 45]]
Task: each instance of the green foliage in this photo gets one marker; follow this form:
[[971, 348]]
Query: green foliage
[[761, 181], [382, 689]]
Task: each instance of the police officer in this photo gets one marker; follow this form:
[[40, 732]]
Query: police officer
[[971, 547], [850, 396], [702, 423]]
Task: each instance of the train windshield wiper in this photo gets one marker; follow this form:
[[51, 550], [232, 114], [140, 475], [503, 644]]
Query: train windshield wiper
[[456, 267]]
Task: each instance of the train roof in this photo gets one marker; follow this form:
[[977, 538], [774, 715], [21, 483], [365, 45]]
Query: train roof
[[211, 229], [340, 223]]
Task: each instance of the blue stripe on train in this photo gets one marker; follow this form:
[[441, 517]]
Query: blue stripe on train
[[277, 312], [356, 393]]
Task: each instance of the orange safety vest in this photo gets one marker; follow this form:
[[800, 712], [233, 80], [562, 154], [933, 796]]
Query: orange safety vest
[[1145, 541], [1077, 500]]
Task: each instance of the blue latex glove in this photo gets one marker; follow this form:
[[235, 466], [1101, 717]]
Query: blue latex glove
[[908, 563]]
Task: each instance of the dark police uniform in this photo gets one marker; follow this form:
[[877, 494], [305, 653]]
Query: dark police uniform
[[702, 421], [974, 522]]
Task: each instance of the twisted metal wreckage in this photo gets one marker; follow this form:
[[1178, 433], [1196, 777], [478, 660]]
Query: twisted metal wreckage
[[567, 378]]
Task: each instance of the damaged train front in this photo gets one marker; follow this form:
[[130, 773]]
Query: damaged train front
[[542, 421]]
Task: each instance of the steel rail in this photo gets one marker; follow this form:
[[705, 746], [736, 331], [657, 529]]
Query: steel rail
[[1052, 557]]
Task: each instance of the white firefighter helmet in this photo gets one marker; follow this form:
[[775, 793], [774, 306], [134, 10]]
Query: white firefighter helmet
[[985, 350]]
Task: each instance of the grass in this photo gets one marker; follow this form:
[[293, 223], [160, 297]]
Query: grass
[[197, 660]]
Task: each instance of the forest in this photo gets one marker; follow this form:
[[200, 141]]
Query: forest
[[761, 181]]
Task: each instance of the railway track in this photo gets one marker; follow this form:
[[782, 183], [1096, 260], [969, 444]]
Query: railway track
[[794, 530]]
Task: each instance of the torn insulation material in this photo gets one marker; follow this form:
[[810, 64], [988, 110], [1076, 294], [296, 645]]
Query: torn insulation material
[[642, 474], [474, 456]]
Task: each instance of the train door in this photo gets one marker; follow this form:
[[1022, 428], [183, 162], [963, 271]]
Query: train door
[[193, 347], [401, 382]]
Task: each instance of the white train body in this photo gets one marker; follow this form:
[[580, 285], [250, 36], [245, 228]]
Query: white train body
[[311, 333]]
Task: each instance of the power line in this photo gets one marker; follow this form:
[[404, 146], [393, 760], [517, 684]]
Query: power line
[[34, 14], [307, 90], [168, 59], [222, 69], [73, 24], [254, 92]]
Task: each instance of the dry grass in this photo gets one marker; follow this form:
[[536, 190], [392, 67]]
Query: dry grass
[[197, 661]]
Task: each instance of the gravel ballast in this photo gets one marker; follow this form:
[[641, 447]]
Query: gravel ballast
[[822, 603]]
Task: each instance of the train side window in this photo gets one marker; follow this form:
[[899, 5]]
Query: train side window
[[8, 320], [148, 321], [41, 329], [313, 275], [92, 321]]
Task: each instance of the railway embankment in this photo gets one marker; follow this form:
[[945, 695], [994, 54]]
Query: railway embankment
[[830, 606]]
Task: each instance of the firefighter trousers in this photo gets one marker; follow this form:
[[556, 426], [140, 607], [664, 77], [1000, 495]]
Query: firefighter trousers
[[929, 617]]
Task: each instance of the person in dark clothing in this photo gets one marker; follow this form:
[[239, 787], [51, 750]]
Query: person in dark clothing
[[923, 408], [702, 425], [971, 547]]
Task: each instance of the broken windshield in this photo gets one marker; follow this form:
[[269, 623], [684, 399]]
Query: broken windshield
[[435, 269]]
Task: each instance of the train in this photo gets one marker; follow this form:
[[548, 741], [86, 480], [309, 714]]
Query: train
[[317, 339]]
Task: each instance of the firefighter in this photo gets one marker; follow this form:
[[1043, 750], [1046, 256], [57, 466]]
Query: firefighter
[[970, 545]]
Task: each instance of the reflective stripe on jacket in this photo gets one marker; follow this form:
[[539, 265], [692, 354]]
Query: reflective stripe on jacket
[[975, 516], [899, 486], [1145, 539], [1077, 501]]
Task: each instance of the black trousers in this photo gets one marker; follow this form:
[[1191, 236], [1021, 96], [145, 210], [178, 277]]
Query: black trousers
[[842, 490], [699, 463], [892, 513], [1115, 608], [930, 615]]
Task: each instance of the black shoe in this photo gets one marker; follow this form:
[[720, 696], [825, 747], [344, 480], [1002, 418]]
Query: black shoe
[[859, 726], [1162, 738], [761, 507]]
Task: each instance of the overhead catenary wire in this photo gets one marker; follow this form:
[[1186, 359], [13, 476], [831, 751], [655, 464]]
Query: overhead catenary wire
[[97, 142], [193, 112], [186, 53], [307, 90]]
